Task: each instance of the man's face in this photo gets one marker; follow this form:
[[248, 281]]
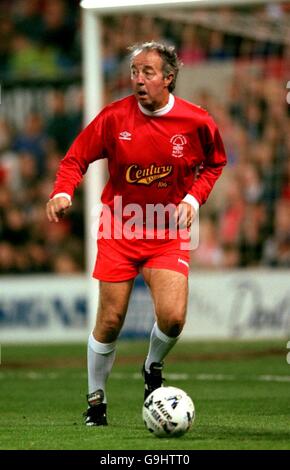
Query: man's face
[[149, 85]]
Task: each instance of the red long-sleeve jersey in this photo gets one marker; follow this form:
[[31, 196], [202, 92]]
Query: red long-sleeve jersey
[[151, 158]]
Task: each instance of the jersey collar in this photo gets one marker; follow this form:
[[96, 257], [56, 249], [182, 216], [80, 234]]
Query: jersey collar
[[161, 111]]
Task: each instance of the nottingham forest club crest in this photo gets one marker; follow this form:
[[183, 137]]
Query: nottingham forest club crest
[[178, 141]]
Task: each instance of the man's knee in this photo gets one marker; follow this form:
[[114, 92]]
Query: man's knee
[[173, 324], [112, 319], [109, 324], [175, 328]]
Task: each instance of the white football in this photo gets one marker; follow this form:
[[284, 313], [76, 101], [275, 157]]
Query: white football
[[168, 412]]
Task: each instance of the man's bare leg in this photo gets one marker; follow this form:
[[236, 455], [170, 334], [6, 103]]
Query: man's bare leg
[[169, 291], [113, 304]]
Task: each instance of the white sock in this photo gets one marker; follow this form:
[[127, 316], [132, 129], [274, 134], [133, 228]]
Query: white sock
[[159, 347], [101, 357]]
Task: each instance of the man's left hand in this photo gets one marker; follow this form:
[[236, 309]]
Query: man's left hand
[[185, 215]]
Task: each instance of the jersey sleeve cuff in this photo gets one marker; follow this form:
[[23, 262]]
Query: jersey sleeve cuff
[[192, 201], [67, 196]]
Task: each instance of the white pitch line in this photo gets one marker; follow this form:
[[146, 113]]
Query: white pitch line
[[35, 375], [215, 377], [274, 378]]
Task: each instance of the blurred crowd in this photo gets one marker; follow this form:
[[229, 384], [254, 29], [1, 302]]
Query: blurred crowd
[[42, 38], [29, 158], [245, 223], [39, 38]]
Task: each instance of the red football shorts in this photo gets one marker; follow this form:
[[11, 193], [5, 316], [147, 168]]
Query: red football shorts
[[121, 260]]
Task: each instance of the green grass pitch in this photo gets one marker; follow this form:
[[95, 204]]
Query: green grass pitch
[[241, 392]]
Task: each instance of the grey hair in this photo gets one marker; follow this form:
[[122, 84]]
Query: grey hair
[[171, 62]]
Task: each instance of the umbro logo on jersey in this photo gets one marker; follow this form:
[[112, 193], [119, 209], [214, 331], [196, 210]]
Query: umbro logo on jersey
[[125, 135]]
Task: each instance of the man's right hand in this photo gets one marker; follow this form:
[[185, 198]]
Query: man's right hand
[[56, 208]]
